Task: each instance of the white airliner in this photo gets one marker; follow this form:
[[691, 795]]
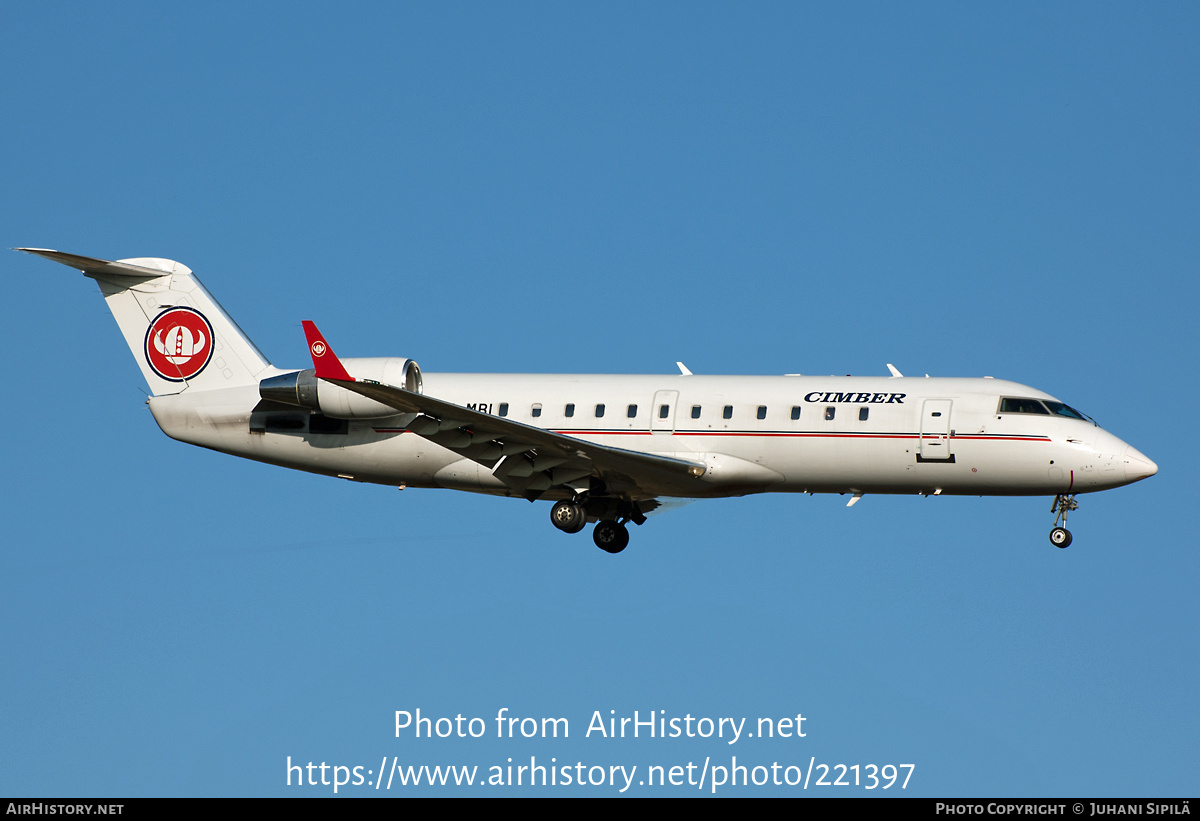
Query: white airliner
[[604, 449]]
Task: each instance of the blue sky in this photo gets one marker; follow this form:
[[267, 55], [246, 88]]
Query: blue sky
[[959, 189]]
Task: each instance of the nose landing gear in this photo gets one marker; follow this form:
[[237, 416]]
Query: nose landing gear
[[1063, 504]]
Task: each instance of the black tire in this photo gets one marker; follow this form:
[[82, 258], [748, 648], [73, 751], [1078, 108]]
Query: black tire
[[1060, 537], [610, 536], [568, 517]]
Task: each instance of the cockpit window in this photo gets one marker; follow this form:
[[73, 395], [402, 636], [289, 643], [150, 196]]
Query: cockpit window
[[1059, 409], [1013, 405]]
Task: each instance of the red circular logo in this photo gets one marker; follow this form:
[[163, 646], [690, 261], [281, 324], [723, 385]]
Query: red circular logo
[[318, 348], [179, 344]]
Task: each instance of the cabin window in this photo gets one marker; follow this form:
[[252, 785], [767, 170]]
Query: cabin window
[[829, 413], [599, 410], [663, 411], [569, 410], [863, 413], [632, 411], [728, 412], [762, 411], [1014, 405], [504, 409], [536, 410], [795, 411], [695, 411]]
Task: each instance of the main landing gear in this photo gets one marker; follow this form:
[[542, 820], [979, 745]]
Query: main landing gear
[[1063, 504], [610, 533], [610, 536], [568, 517]]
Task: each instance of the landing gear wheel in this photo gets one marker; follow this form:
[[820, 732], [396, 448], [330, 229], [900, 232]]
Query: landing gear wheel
[[1060, 537], [568, 517], [610, 536]]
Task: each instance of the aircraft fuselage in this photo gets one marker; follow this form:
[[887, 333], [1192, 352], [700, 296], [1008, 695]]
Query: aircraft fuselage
[[754, 433]]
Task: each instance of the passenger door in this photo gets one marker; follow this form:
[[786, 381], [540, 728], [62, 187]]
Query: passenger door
[[935, 431]]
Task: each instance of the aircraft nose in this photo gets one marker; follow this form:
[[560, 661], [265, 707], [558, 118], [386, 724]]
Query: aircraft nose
[[1137, 466]]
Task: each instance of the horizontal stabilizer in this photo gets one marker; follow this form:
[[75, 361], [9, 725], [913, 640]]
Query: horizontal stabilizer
[[91, 265]]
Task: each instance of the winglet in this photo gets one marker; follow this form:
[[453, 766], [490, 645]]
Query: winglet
[[324, 359]]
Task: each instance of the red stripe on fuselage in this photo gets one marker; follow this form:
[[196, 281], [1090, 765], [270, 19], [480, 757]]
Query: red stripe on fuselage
[[1000, 437]]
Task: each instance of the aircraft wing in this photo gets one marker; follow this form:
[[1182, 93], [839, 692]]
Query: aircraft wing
[[529, 459]]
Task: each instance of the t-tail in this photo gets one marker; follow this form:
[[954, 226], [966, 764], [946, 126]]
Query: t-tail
[[181, 338]]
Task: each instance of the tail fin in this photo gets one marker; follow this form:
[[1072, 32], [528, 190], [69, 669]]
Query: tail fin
[[179, 335]]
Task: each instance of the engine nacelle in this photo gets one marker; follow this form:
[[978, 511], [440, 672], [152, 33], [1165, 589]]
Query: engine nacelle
[[303, 389]]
